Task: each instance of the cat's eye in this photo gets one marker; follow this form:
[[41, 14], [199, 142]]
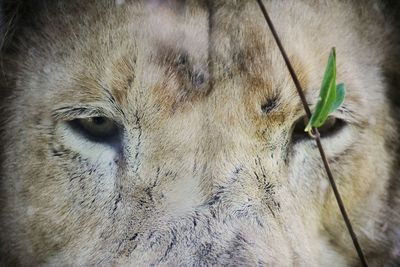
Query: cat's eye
[[99, 129], [331, 127]]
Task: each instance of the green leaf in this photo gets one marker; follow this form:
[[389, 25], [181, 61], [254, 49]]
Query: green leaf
[[340, 93], [327, 96]]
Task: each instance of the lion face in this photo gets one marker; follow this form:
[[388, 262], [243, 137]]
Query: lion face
[[159, 135]]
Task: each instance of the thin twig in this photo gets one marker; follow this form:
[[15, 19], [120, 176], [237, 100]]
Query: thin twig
[[316, 137]]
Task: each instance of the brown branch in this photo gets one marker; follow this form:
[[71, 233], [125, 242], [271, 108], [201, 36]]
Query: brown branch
[[316, 137]]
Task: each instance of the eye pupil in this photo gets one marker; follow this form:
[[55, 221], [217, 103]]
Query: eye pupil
[[96, 129], [98, 120], [328, 125]]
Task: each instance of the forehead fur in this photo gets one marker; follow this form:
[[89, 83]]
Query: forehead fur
[[108, 50], [165, 52], [250, 56]]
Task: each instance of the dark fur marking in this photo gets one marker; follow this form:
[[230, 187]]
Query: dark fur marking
[[343, 155], [56, 153], [73, 177], [213, 213], [150, 236], [117, 200], [131, 249], [210, 232], [183, 59], [191, 78], [271, 210], [214, 199], [170, 245], [139, 142], [241, 239], [119, 244], [238, 170], [198, 78], [269, 105], [149, 193], [261, 263], [113, 101], [194, 220], [257, 177], [205, 250], [158, 173], [132, 238], [194, 166], [268, 188], [171, 174], [259, 222]]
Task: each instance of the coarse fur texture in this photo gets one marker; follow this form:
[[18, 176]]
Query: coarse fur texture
[[205, 170]]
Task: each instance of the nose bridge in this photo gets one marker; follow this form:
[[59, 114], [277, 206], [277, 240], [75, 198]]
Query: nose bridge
[[212, 178], [248, 181]]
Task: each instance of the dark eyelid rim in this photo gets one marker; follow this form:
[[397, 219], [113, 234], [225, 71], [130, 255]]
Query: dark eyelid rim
[[343, 113], [341, 123], [111, 139], [70, 113]]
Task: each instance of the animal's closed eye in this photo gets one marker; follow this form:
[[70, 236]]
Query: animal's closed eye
[[331, 127], [97, 129]]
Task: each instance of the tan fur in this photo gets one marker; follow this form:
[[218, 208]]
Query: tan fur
[[203, 175]]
